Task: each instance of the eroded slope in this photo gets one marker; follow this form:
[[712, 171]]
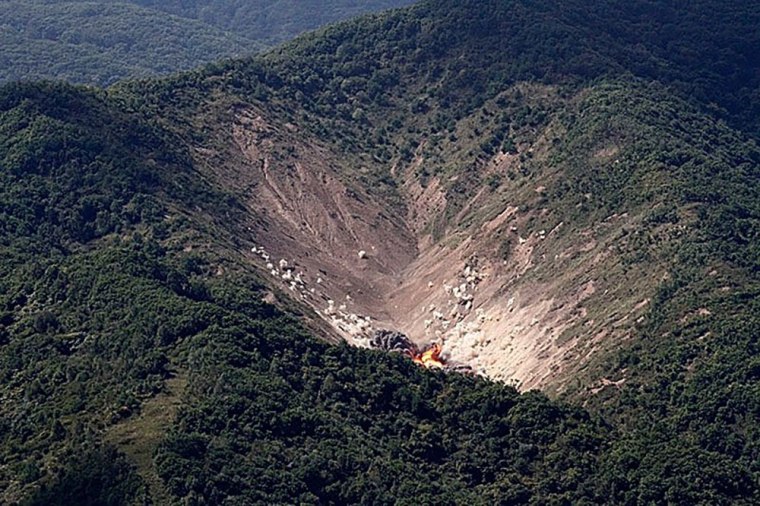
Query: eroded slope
[[525, 261]]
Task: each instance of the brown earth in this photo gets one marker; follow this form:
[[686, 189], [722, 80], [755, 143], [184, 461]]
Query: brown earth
[[527, 306]]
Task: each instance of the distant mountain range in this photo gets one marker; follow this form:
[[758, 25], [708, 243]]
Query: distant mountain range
[[101, 42]]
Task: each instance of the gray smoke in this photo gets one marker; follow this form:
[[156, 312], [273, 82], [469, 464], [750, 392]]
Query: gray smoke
[[391, 340]]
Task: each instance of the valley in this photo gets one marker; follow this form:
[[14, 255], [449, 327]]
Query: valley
[[464, 252], [507, 287]]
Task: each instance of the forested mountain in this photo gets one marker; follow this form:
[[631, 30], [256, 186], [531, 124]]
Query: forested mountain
[[561, 195], [100, 42], [270, 21]]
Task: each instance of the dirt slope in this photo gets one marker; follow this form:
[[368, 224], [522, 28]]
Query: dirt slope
[[504, 285]]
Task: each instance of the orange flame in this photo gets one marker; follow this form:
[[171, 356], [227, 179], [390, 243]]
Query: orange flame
[[430, 358]]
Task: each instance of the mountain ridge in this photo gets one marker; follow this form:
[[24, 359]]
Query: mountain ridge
[[101, 42], [609, 216]]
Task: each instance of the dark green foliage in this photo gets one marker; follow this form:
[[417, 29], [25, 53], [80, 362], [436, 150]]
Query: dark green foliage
[[93, 475], [98, 308], [316, 423], [100, 42], [90, 300], [688, 409], [75, 168], [414, 54], [271, 21]]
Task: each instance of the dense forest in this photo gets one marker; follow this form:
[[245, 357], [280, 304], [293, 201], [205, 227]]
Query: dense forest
[[140, 359], [101, 42], [271, 21]]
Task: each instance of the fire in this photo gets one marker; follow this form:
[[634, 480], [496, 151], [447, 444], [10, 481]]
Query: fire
[[430, 358]]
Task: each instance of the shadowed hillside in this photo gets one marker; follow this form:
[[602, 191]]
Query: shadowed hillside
[[100, 42]]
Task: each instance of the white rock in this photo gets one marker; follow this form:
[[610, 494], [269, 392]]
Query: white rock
[[362, 254]]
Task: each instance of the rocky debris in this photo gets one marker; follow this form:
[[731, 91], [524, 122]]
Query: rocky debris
[[359, 330], [460, 323], [445, 321], [461, 299]]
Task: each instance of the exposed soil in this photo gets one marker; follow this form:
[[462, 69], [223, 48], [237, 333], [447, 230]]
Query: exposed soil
[[527, 314]]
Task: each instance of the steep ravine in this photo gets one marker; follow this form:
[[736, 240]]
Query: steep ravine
[[506, 289]]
